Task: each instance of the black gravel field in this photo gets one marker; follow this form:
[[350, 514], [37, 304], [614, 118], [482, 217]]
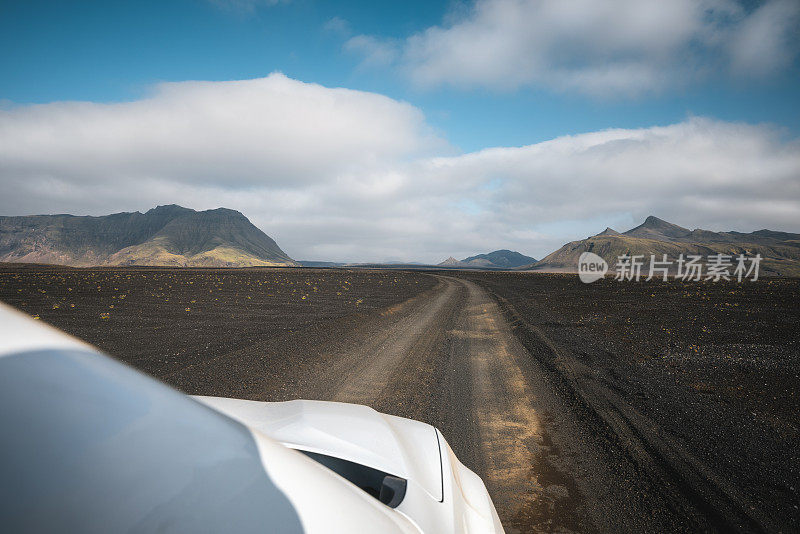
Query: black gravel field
[[165, 320], [697, 383], [610, 407]]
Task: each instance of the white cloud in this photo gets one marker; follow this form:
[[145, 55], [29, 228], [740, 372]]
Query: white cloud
[[701, 173], [238, 133], [338, 26], [374, 52], [767, 39], [347, 175], [612, 47]]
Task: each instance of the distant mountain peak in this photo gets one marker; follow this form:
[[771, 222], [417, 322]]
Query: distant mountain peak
[[779, 250], [609, 231], [449, 262], [168, 207], [504, 258], [498, 259], [165, 235], [652, 221], [655, 228]]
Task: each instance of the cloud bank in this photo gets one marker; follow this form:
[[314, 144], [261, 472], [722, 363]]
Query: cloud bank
[[609, 48], [347, 175]]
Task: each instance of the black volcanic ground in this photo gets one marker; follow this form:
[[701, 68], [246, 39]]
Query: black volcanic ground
[[665, 406]]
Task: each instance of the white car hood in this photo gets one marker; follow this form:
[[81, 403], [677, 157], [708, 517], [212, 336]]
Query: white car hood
[[401, 447], [91, 445]]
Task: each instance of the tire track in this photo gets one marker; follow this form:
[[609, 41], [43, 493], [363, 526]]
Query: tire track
[[452, 361], [665, 480], [367, 373], [531, 495]]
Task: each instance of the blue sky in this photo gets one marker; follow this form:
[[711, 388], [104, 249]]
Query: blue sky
[[714, 83], [115, 51]]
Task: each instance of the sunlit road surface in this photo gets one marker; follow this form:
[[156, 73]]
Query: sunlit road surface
[[448, 357], [552, 461]]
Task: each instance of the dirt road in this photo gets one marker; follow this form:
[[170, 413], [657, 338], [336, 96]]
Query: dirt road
[[449, 358], [551, 463]]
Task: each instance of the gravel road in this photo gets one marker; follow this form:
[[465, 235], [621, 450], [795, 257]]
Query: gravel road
[[449, 358], [557, 455]]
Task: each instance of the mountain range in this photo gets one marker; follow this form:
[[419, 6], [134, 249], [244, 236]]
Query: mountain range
[[499, 259], [181, 237], [780, 250], [166, 235]]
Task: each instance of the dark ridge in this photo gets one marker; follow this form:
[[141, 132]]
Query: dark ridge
[[165, 235]]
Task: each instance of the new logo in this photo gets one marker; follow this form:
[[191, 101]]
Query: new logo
[[591, 267]]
